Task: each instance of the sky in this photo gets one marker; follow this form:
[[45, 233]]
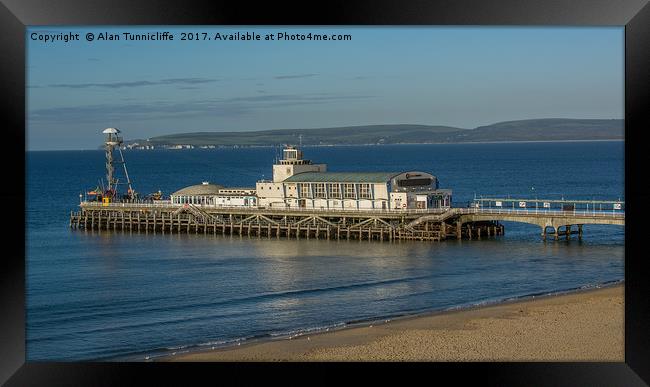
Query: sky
[[455, 76]]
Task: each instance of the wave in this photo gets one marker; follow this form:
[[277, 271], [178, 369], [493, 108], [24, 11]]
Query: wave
[[239, 300]]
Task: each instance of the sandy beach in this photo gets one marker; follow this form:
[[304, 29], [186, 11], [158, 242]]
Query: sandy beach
[[581, 326]]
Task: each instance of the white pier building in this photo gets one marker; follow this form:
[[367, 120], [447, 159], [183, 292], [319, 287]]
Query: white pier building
[[298, 183]]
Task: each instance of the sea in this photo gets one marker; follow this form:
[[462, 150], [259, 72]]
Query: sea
[[123, 296]]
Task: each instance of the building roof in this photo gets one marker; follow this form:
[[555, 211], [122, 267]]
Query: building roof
[[342, 177], [200, 189]]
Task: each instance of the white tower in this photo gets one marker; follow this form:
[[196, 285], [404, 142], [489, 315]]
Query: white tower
[[292, 162]]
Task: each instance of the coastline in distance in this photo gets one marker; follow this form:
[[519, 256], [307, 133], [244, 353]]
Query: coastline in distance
[[550, 129]]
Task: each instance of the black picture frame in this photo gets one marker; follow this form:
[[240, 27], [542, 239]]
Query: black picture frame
[[15, 15]]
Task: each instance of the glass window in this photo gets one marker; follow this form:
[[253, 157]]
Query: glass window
[[364, 191], [349, 191], [305, 192], [334, 190], [319, 190]]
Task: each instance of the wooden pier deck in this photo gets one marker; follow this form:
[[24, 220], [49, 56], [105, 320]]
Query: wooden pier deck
[[281, 223]]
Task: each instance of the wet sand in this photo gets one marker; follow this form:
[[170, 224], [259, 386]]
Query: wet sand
[[581, 326]]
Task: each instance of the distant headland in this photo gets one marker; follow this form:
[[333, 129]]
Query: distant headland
[[549, 129]]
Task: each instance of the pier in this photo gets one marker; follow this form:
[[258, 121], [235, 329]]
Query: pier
[[277, 223], [381, 225], [562, 218], [304, 200]]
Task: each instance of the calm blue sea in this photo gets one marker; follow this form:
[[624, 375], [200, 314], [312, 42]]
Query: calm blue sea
[[117, 295]]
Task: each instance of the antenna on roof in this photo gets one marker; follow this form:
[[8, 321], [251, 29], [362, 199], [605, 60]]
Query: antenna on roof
[[300, 139]]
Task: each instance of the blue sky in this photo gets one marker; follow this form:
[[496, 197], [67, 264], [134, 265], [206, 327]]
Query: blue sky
[[456, 76]]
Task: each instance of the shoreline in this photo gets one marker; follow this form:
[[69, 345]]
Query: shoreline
[[536, 327], [342, 145]]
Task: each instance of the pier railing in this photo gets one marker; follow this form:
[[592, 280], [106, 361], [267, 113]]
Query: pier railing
[[616, 214], [269, 209], [545, 212]]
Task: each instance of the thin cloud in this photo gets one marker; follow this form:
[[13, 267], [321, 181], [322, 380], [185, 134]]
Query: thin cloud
[[117, 85], [215, 107], [294, 76]]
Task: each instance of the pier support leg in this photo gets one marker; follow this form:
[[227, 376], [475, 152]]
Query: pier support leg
[[580, 232]]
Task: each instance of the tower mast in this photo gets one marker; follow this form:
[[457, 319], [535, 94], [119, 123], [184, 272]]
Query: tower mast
[[114, 140]]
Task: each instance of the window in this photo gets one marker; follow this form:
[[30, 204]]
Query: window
[[364, 191], [334, 190], [349, 191], [304, 190], [319, 190], [290, 154]]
